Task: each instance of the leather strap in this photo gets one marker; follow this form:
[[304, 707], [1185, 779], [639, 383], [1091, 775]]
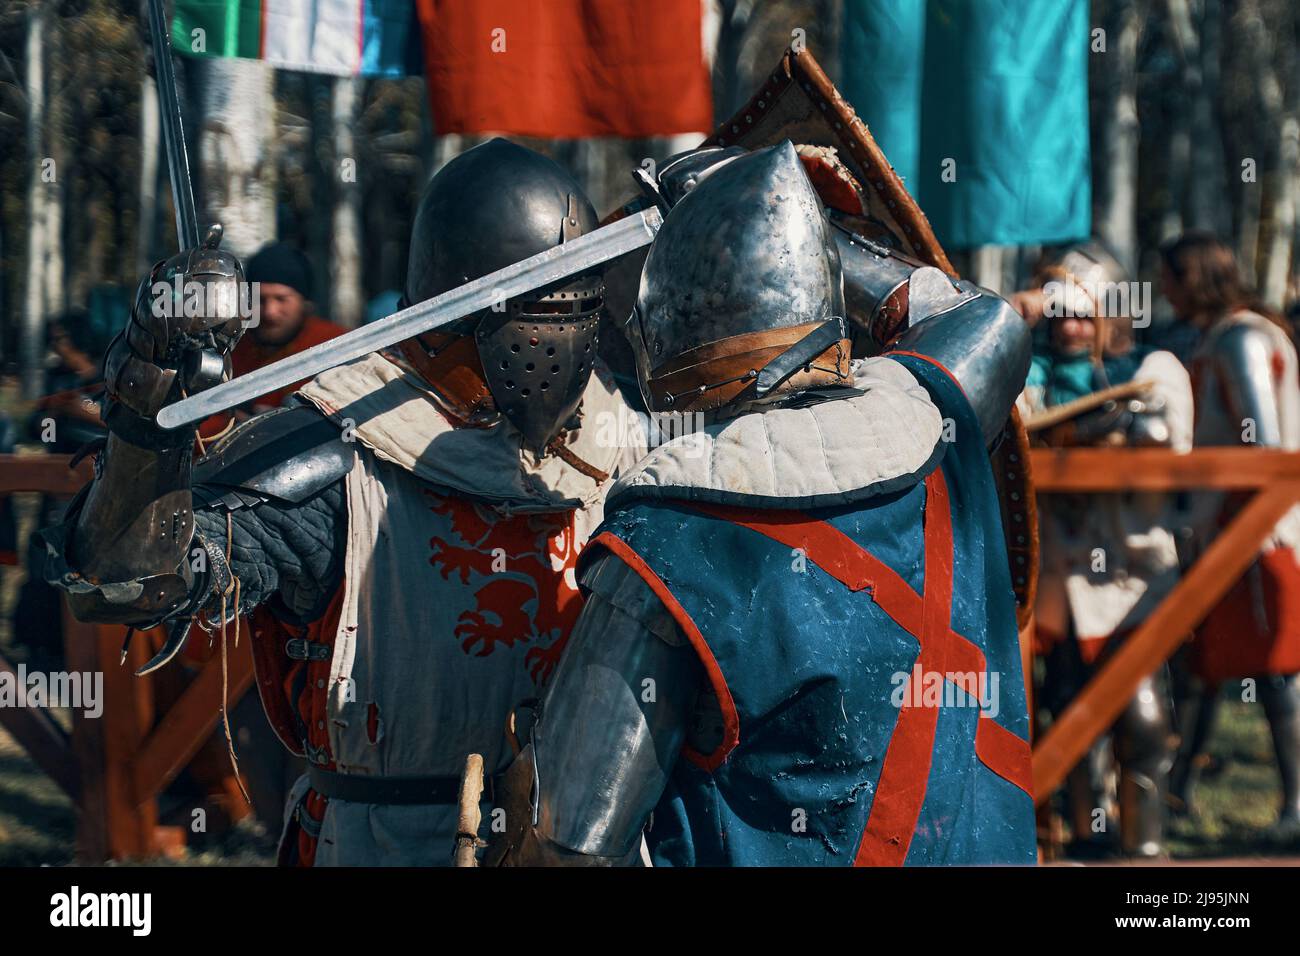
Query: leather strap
[[802, 353], [450, 364], [360, 788], [718, 373], [142, 431], [557, 448]]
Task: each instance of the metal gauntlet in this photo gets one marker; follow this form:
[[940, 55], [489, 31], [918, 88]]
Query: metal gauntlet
[[121, 552]]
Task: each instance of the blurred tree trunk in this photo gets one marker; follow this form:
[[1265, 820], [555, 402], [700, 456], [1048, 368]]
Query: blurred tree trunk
[[988, 265], [829, 23], [31, 346], [1278, 165], [1116, 144], [730, 20], [56, 84], [147, 224], [1197, 181], [345, 304], [1177, 163], [1278, 247], [236, 110], [321, 172], [1250, 32], [1208, 208]]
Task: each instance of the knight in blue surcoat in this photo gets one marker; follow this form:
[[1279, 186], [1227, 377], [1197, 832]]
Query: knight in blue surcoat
[[798, 645]]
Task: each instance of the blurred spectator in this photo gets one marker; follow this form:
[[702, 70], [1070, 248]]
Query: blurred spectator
[[1084, 608], [1247, 393], [65, 420], [287, 324]]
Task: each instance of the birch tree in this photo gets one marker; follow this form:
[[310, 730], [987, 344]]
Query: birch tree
[[1115, 146], [346, 297], [31, 345], [52, 266], [236, 173], [147, 224], [1279, 119]]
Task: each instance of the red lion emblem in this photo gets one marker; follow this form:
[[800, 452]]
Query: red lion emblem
[[528, 561]]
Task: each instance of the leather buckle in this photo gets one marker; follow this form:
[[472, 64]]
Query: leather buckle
[[304, 820], [301, 649]]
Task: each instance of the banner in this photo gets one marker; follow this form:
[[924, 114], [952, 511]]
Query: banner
[[566, 68], [340, 37], [982, 108]]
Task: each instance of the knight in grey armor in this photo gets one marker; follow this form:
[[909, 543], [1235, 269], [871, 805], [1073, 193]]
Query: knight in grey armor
[[1247, 394], [316, 519], [739, 320]]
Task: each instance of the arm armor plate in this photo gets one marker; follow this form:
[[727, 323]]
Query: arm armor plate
[[975, 335], [895, 301], [1243, 360], [284, 456], [287, 454], [608, 733]]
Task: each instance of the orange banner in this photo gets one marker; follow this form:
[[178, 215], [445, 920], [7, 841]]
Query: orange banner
[[566, 68]]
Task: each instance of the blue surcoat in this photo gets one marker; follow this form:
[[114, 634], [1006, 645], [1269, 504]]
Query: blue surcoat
[[866, 661]]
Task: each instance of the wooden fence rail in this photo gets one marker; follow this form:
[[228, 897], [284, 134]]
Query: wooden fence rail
[[1273, 478], [114, 766]]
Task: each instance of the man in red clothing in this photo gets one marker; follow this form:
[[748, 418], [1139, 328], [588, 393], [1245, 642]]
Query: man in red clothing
[[287, 325]]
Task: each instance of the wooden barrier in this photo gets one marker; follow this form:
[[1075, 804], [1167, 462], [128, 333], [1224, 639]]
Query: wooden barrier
[[114, 766], [1274, 479]]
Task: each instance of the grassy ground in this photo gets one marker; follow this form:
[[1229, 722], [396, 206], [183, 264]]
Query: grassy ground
[[37, 821], [1238, 803], [1236, 806]]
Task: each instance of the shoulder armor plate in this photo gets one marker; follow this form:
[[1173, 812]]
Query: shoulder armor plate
[[287, 454]]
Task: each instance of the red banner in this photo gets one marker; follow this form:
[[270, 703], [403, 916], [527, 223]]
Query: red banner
[[566, 68]]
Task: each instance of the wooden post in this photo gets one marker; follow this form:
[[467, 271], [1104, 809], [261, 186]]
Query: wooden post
[[188, 723], [115, 765], [1106, 694], [110, 824], [1274, 475]]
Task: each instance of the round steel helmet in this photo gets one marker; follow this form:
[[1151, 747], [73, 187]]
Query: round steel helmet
[[488, 208], [742, 296], [1084, 261], [1087, 280]]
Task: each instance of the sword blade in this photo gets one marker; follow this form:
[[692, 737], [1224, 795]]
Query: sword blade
[[535, 272], [173, 131]]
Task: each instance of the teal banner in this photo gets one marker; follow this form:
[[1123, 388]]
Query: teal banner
[[982, 108]]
